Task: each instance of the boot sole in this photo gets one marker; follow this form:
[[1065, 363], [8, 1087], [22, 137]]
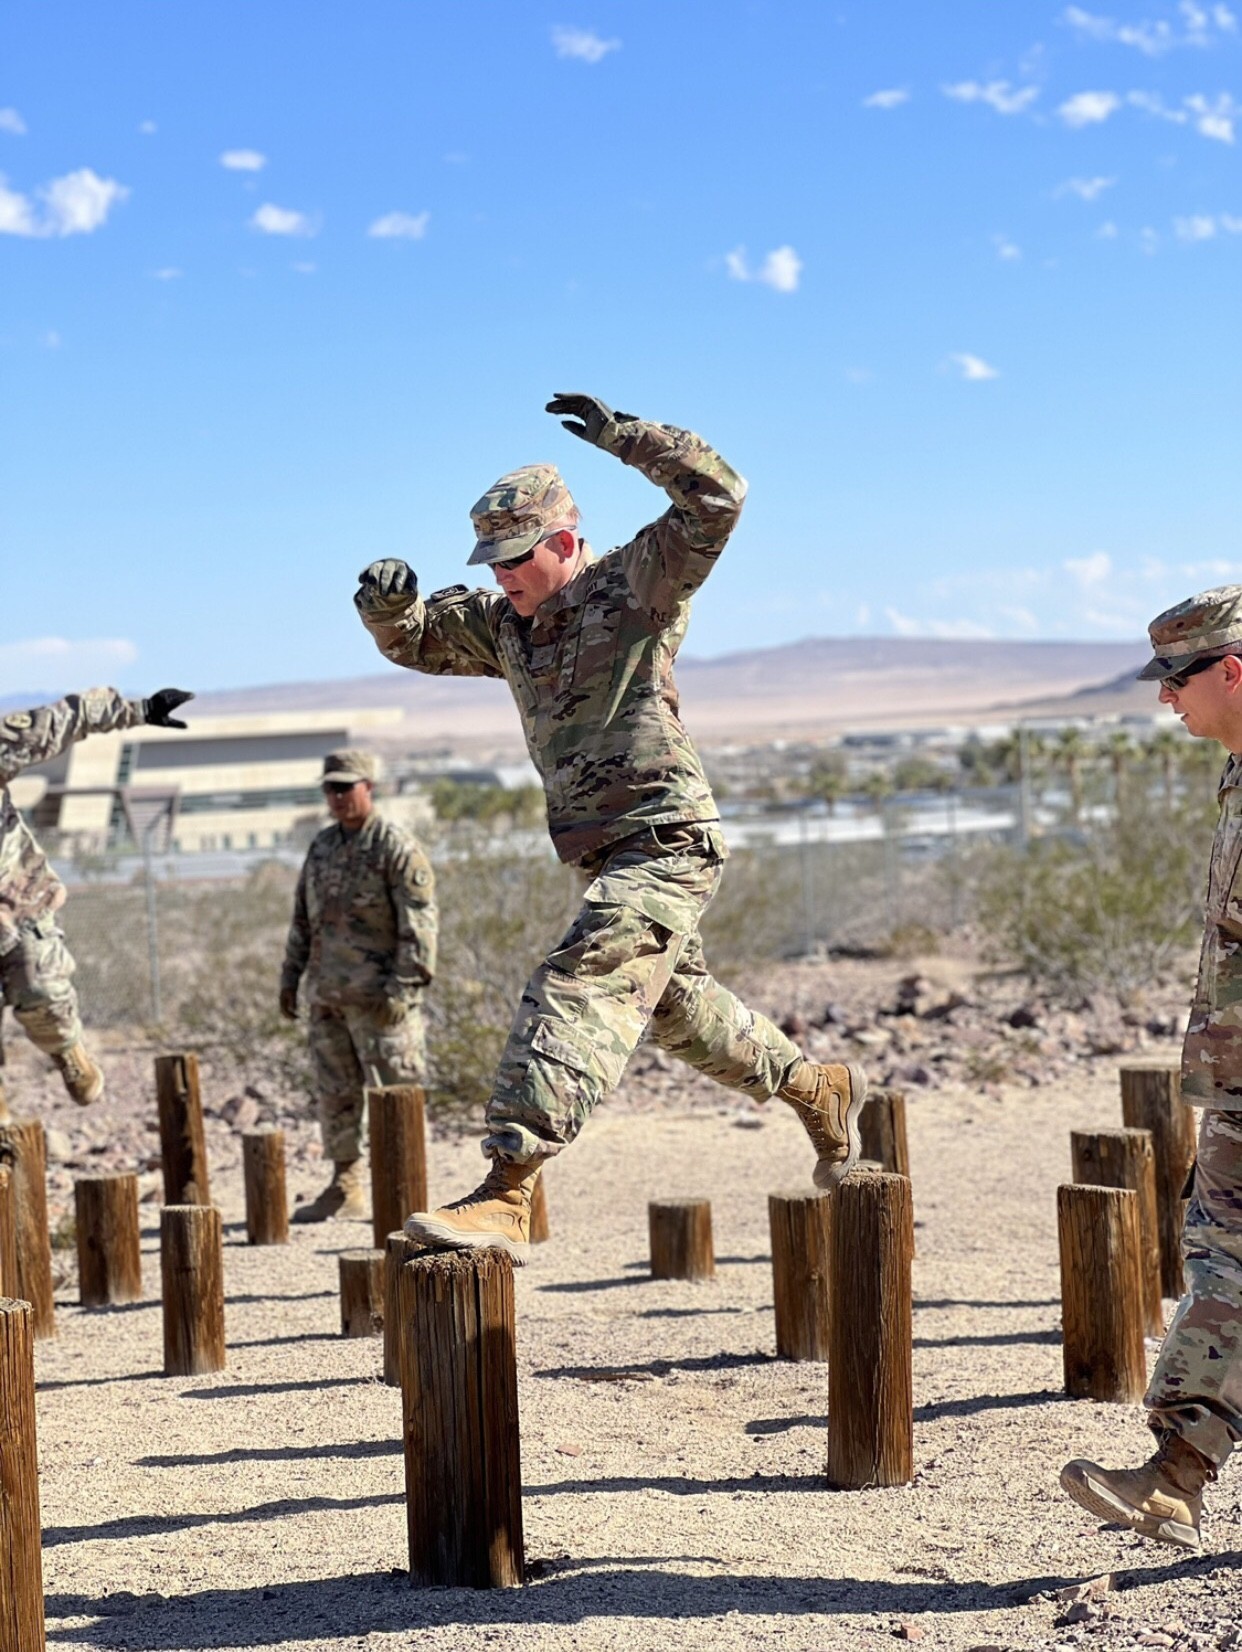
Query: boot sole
[[431, 1232], [827, 1175], [1079, 1483]]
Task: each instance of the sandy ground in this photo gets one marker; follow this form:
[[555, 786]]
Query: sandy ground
[[684, 1506]]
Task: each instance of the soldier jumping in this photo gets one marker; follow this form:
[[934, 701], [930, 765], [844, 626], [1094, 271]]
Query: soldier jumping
[[1194, 1399], [587, 646], [35, 964]]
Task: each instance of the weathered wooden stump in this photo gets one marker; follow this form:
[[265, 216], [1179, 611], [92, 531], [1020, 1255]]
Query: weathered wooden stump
[[362, 1292], [463, 1473], [183, 1148], [681, 1239], [870, 1354], [23, 1146], [882, 1126], [9, 1278], [398, 1156], [267, 1202], [21, 1552], [397, 1250], [1101, 1293], [1151, 1099], [1125, 1158], [539, 1230], [801, 1226], [192, 1276], [109, 1254]]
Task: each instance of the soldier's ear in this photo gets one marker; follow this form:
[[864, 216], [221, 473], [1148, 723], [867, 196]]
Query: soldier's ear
[[566, 543], [1233, 672]]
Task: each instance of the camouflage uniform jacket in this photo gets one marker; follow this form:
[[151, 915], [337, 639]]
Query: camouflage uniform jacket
[[592, 671], [1212, 1053], [29, 889], [364, 917]]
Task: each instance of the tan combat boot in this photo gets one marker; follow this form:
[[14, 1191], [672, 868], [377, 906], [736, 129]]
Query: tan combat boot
[[496, 1216], [84, 1080], [1162, 1499], [828, 1100], [344, 1195]]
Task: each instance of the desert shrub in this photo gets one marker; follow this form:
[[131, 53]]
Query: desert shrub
[[1108, 909]]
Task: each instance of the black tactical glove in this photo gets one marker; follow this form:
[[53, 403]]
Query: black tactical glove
[[386, 587], [289, 1003], [594, 413], [159, 709]]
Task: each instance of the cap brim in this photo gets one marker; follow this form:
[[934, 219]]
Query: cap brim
[[1154, 669], [500, 550]]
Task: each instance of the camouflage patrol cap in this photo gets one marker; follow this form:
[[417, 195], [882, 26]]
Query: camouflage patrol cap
[[1203, 626], [350, 765], [518, 511]]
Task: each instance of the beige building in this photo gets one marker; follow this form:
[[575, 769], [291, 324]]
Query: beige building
[[243, 781]]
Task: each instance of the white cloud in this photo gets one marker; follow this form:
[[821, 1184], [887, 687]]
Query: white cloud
[[12, 122], [973, 368], [1203, 226], [77, 204], [1200, 26], [1086, 189], [1089, 571], [243, 160], [400, 226], [169, 272], [148, 128], [52, 339], [1149, 240], [1151, 103], [42, 663], [303, 267], [581, 44], [1089, 108], [781, 269], [960, 629], [997, 94], [275, 220], [1006, 250], [1107, 231], [1214, 117], [891, 97]]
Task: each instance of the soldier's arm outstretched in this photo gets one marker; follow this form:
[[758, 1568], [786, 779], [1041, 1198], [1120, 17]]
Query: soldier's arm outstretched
[[28, 737], [666, 562], [448, 634]]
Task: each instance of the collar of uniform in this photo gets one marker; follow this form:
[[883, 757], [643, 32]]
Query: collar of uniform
[[1231, 774], [367, 829], [572, 592]]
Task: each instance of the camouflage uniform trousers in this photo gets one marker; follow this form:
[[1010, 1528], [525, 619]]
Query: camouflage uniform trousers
[[36, 984], [632, 959], [1196, 1388], [350, 1052]]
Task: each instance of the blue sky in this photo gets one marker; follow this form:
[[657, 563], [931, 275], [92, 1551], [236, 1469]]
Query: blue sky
[[283, 288]]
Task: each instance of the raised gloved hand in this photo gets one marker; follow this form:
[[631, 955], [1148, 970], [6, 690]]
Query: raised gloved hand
[[386, 587], [391, 1010], [158, 710], [594, 414], [289, 1003]]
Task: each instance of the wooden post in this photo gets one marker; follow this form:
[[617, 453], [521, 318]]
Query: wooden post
[[398, 1156], [1101, 1293], [870, 1357], [681, 1239], [23, 1145], [882, 1125], [21, 1555], [9, 1277], [1126, 1158], [267, 1203], [183, 1148], [192, 1274], [109, 1256], [459, 1402], [1151, 1099], [397, 1250], [801, 1227], [539, 1231], [362, 1292]]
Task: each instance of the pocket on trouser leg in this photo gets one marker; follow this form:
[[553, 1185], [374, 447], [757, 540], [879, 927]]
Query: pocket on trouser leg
[[551, 1078]]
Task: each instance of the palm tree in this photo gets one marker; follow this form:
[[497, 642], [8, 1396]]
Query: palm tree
[[1167, 746], [1069, 752], [1120, 751]]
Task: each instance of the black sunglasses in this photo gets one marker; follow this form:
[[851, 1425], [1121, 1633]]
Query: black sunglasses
[[512, 562], [340, 787], [1179, 679]]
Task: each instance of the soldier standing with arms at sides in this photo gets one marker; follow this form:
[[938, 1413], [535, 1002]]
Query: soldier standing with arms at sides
[[364, 935], [587, 647], [36, 968], [1194, 1399]]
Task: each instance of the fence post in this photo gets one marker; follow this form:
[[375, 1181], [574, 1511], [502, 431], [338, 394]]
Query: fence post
[[882, 1126], [192, 1287], [1101, 1293], [398, 1134], [397, 1250], [1125, 1158], [183, 1147], [23, 1144], [267, 1201], [10, 1279], [21, 1553], [1151, 1099], [801, 1227], [109, 1253], [362, 1292], [681, 1239]]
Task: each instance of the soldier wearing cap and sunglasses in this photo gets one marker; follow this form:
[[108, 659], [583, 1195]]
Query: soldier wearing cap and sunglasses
[[1194, 1399], [587, 646], [364, 936]]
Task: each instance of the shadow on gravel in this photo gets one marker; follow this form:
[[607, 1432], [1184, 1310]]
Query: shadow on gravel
[[150, 1525], [274, 1454], [351, 1607], [973, 1302], [572, 1286], [98, 1382], [995, 1339], [657, 1367], [923, 1413], [247, 1390]]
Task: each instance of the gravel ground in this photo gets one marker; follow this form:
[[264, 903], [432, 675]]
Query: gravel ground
[[681, 1503]]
